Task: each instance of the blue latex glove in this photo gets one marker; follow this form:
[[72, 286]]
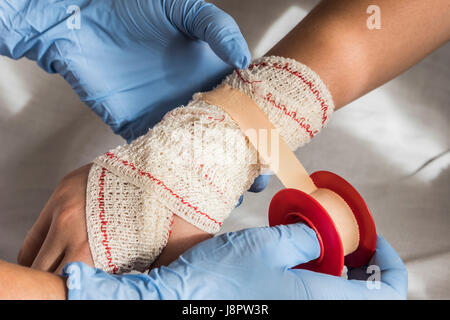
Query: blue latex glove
[[130, 61], [249, 264]]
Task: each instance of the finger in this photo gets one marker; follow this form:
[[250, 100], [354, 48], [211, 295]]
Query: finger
[[297, 244], [77, 254], [393, 270], [51, 252], [241, 198], [280, 247], [35, 238], [260, 183], [388, 264], [285, 246], [206, 22]]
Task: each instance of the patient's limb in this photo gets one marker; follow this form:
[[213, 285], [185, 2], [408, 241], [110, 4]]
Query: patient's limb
[[194, 164], [351, 59], [17, 282], [59, 235], [183, 237], [335, 41]]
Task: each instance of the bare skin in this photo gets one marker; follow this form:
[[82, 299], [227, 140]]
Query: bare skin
[[333, 40], [17, 282], [60, 235]]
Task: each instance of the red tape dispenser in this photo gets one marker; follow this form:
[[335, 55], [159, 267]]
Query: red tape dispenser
[[338, 215], [324, 201]]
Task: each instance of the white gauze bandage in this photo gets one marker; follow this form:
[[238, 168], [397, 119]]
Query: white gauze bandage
[[195, 163]]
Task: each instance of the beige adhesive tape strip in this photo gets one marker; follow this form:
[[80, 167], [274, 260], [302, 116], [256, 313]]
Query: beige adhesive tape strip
[[251, 119], [342, 216]]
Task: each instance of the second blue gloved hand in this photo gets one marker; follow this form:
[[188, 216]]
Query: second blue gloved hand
[[130, 61], [249, 264]]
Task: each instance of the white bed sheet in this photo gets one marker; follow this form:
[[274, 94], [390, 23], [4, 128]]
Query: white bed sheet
[[379, 143]]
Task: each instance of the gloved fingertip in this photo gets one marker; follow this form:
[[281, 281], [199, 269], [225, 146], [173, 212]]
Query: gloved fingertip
[[240, 57], [234, 52], [241, 198], [297, 243], [260, 183], [243, 63], [219, 30]]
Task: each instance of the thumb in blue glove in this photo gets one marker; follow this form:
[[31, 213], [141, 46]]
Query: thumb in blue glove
[[249, 264]]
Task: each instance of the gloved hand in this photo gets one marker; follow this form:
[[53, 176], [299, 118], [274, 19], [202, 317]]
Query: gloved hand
[[249, 264], [130, 61]]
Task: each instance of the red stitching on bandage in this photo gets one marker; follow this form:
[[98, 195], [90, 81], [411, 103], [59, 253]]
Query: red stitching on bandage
[[219, 120], [245, 80], [103, 222], [171, 223], [297, 74], [291, 114], [160, 183]]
